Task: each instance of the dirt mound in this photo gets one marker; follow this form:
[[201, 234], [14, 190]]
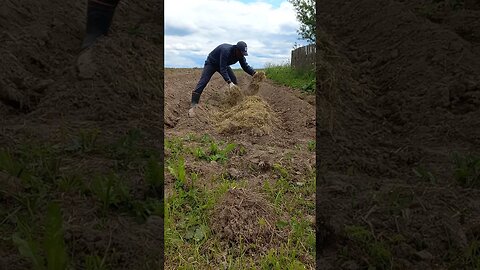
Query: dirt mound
[[252, 115], [428, 79], [243, 216], [39, 74]]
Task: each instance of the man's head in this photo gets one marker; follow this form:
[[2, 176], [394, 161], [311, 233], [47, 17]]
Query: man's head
[[242, 47]]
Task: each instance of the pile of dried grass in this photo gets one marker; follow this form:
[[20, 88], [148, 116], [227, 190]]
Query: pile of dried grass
[[233, 96], [251, 115]]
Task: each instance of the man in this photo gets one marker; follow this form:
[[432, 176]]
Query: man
[[219, 60], [99, 19]]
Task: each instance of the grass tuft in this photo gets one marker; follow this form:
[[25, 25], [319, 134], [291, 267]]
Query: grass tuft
[[285, 75]]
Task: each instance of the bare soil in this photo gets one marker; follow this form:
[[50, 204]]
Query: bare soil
[[235, 218], [399, 91]]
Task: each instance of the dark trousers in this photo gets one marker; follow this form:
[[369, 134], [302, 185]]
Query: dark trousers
[[99, 19], [207, 73]]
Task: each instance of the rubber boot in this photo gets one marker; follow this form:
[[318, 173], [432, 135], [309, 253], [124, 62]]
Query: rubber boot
[[195, 98], [99, 19]]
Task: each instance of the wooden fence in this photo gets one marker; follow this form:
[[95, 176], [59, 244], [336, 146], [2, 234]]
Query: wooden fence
[[304, 57]]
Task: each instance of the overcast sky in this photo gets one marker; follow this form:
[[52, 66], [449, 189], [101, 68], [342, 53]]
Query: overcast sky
[[193, 28]]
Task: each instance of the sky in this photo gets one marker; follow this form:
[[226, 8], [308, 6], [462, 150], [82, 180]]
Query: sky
[[193, 28]]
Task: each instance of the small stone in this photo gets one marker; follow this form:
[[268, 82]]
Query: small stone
[[350, 265], [234, 173], [310, 219], [424, 255]]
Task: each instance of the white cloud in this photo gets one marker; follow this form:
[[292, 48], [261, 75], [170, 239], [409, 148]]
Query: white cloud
[[194, 28]]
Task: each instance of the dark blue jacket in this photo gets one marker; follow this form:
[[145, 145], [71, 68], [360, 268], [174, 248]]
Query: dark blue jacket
[[223, 56]]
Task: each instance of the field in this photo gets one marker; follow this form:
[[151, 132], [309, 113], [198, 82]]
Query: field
[[80, 171], [398, 107], [238, 196]]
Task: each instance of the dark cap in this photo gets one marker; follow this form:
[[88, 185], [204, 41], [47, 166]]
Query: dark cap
[[242, 46]]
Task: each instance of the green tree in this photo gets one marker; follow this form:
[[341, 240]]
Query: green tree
[[306, 16]]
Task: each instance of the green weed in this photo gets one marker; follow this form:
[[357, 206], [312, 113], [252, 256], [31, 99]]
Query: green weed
[[396, 200], [472, 254], [30, 201], [85, 142], [10, 165], [177, 169], [280, 170], [424, 174], [311, 146], [94, 262], [126, 149], [57, 257], [154, 176], [281, 259], [70, 182], [111, 190], [218, 154], [215, 152], [285, 75], [53, 245], [41, 160], [379, 254], [150, 207], [467, 170], [206, 138], [173, 147], [199, 153]]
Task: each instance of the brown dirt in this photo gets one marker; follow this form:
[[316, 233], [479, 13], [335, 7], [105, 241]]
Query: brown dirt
[[43, 101], [243, 216], [398, 90]]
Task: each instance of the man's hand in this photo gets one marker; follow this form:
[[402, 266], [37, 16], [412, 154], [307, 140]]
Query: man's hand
[[259, 76], [231, 84]]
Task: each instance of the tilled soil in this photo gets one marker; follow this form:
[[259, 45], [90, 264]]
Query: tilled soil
[[44, 102], [399, 93]]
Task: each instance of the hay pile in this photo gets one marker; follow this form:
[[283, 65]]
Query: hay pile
[[233, 96], [252, 115]]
